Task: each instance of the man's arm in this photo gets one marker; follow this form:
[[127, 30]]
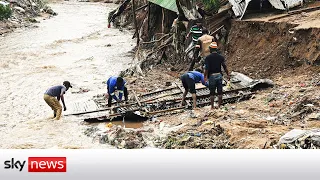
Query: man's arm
[[197, 49], [203, 81], [206, 69], [62, 98], [111, 91]]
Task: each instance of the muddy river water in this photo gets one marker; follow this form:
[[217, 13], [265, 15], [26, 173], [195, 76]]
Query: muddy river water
[[76, 46]]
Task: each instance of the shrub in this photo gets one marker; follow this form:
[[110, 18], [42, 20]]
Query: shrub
[[5, 12], [212, 4]]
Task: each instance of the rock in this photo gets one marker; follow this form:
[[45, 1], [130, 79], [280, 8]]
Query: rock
[[270, 118], [20, 9], [207, 123], [314, 116], [48, 10], [33, 20], [302, 90]]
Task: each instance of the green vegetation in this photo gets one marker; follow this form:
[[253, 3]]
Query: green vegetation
[[5, 12], [212, 4]]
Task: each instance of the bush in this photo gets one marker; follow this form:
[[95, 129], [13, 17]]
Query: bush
[[5, 12], [212, 4]]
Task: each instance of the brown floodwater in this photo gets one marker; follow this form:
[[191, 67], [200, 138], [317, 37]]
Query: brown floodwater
[[76, 46]]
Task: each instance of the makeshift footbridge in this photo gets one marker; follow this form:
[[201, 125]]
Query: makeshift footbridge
[[166, 101]]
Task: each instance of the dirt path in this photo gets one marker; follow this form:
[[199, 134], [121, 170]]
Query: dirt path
[[76, 46]]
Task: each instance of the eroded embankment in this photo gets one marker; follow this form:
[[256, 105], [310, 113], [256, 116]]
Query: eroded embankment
[[264, 49]]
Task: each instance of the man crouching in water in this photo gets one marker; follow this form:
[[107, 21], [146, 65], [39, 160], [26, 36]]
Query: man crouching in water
[[52, 97]]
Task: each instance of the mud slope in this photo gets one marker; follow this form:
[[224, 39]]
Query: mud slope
[[264, 49]]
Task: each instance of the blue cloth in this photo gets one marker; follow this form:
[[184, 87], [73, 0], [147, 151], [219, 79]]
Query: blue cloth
[[56, 91], [197, 77], [112, 87]]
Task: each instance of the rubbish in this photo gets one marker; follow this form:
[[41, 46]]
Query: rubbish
[[109, 125], [314, 116], [161, 126], [192, 114], [207, 122], [270, 118], [19, 9], [228, 86], [292, 136], [300, 139]]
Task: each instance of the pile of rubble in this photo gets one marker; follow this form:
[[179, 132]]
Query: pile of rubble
[[118, 136], [214, 138]]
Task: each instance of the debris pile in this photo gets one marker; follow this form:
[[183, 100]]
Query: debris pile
[[24, 12], [118, 137], [300, 139], [214, 138]]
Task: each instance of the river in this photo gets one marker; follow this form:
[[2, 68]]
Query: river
[[75, 45]]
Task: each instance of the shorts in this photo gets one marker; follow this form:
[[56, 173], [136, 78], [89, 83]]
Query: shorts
[[215, 82], [188, 83]]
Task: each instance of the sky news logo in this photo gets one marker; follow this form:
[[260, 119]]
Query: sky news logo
[[38, 164]]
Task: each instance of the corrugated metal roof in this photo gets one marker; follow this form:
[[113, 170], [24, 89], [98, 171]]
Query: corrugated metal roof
[[292, 3], [167, 4], [239, 6], [277, 4]]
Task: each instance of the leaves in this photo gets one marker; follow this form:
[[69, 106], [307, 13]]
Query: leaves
[[5, 12]]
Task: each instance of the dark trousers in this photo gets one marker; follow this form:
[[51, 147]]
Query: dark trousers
[[125, 94]]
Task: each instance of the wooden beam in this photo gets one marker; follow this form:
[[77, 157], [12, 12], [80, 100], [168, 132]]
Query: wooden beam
[[141, 7], [135, 22]]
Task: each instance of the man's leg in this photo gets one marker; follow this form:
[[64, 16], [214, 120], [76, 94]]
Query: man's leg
[[212, 88], [193, 62], [212, 101], [194, 98], [125, 93], [109, 100], [192, 87], [57, 107], [219, 89], [50, 103], [184, 84]]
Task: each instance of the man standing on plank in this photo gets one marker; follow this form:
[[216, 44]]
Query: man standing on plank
[[213, 72], [189, 81]]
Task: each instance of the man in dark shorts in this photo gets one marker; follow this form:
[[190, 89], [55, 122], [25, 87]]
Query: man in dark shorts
[[213, 72], [52, 97], [189, 81]]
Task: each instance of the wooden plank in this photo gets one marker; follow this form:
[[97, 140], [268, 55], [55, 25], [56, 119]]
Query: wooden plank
[[136, 97]]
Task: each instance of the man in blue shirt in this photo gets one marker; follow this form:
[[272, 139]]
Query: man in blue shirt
[[114, 84], [52, 97], [189, 81]]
